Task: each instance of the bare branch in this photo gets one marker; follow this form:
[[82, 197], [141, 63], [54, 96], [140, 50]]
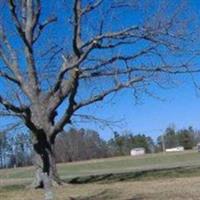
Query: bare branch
[[10, 62], [10, 78], [72, 103], [15, 18], [12, 126], [77, 28], [69, 88], [12, 107], [42, 26], [73, 106], [26, 32], [70, 66], [91, 7], [120, 58], [109, 123], [126, 33], [102, 95], [36, 14]]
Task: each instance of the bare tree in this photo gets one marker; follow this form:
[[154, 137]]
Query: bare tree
[[73, 54]]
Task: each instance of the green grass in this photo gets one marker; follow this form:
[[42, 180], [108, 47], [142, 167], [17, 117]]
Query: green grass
[[10, 188], [130, 164], [113, 165]]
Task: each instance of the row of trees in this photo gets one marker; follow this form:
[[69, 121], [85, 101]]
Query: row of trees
[[187, 137], [82, 144], [86, 144], [121, 144]]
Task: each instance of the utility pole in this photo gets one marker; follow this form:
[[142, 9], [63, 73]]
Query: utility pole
[[163, 142]]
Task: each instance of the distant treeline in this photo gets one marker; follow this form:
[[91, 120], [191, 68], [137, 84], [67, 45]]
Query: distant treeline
[[83, 144], [15, 151], [188, 138]]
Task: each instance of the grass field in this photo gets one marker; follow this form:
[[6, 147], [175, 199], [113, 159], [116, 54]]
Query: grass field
[[153, 176]]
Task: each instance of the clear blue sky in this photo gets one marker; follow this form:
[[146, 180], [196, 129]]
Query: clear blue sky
[[180, 106]]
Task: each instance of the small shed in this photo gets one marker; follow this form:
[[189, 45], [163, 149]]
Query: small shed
[[137, 151]]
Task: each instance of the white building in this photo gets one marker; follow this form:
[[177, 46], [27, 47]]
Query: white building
[[137, 151], [180, 148], [198, 147]]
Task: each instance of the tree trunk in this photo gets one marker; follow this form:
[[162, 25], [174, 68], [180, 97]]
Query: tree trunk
[[46, 171]]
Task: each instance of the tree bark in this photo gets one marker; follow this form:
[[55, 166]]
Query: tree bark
[[45, 163]]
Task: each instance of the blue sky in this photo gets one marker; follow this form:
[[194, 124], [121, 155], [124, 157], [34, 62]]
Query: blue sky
[[180, 105]]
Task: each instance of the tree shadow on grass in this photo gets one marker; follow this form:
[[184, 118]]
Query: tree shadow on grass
[[105, 195], [137, 175]]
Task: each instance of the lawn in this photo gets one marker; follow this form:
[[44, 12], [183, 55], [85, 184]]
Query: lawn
[[153, 176]]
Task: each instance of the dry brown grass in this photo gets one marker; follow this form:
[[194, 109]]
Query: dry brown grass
[[168, 189]]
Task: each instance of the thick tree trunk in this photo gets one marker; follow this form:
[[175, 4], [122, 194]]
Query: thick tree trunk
[[53, 174], [46, 174]]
